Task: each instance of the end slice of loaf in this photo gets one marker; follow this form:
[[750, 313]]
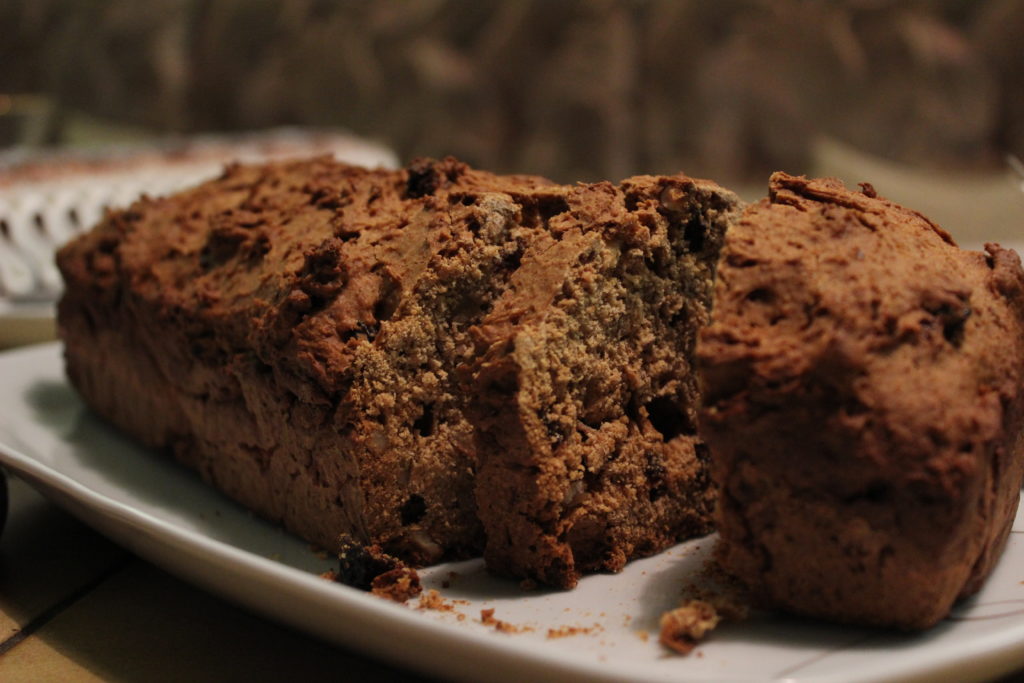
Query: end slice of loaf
[[864, 404]]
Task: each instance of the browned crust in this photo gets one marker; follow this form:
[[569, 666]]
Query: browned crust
[[864, 388], [253, 326]]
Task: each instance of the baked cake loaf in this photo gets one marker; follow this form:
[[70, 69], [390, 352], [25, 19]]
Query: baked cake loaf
[[864, 405], [304, 335]]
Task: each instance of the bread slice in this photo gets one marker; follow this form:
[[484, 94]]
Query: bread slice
[[585, 395], [300, 333]]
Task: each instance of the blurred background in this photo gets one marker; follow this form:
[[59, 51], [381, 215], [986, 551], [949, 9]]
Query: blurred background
[[924, 99], [100, 100]]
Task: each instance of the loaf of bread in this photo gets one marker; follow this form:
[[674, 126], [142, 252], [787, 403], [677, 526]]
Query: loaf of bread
[[331, 346], [863, 388]]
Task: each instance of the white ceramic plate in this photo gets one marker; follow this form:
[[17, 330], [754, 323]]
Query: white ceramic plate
[[165, 514]]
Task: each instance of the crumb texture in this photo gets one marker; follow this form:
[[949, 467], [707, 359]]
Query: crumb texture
[[585, 393], [685, 626], [368, 568], [864, 404]]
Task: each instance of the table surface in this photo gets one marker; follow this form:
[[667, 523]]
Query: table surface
[[74, 606]]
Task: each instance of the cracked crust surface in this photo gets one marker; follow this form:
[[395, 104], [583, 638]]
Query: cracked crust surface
[[290, 330], [864, 403]]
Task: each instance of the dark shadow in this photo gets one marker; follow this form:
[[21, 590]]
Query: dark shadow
[[470, 580], [55, 403], [663, 590]]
